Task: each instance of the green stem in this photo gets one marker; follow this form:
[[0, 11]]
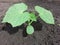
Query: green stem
[[30, 23]]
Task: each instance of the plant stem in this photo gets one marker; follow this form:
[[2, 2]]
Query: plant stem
[[30, 22]]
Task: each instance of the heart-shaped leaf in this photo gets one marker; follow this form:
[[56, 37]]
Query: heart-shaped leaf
[[16, 15], [45, 15]]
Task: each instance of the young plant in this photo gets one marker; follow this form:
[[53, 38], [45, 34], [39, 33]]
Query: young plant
[[17, 15]]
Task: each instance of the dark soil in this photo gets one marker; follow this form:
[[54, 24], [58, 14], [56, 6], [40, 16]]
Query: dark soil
[[44, 34]]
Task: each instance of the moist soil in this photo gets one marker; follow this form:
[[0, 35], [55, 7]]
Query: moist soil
[[44, 34]]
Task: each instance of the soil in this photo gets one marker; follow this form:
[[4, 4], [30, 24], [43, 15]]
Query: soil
[[44, 34]]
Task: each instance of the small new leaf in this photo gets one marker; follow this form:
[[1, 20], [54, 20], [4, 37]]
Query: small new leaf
[[33, 17], [30, 29], [45, 15]]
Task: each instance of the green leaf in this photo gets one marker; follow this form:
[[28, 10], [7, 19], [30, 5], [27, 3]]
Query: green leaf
[[30, 29], [45, 15], [32, 17], [16, 15]]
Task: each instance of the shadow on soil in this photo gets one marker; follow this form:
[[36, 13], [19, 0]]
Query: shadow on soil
[[8, 27]]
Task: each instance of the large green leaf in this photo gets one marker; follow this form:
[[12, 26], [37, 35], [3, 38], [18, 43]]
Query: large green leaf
[[45, 15], [30, 29], [16, 15]]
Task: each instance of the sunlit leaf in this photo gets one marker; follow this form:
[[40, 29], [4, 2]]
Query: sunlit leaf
[[30, 29], [45, 15], [16, 15]]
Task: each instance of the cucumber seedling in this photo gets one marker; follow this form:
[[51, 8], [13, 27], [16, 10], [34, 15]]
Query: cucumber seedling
[[17, 15]]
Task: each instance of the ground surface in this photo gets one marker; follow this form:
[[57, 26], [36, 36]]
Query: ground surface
[[47, 34]]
